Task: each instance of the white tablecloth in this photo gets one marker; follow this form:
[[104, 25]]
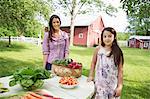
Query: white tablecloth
[[84, 90]]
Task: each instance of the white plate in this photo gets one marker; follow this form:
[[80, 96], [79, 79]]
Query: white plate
[[68, 86]]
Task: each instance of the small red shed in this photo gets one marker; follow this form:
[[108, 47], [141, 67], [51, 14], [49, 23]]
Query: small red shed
[[139, 42], [87, 30]]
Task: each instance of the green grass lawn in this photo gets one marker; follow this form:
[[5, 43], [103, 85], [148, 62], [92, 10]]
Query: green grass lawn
[[136, 66]]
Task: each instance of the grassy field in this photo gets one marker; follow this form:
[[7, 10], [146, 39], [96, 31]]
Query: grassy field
[[136, 67]]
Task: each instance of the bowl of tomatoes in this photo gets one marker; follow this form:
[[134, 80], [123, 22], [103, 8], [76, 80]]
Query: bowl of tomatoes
[[68, 82]]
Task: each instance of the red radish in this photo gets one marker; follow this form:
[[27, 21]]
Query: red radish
[[74, 67], [77, 67], [74, 63], [80, 65], [70, 65]]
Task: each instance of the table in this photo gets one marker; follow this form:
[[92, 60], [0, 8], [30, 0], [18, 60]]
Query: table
[[84, 90]]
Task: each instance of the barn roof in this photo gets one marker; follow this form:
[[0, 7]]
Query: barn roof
[[80, 20], [140, 37]]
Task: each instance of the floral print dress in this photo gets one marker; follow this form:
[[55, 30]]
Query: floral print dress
[[106, 75]]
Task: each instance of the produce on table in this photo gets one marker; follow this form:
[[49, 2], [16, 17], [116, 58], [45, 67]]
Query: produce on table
[[68, 63], [63, 62], [29, 78], [46, 93], [35, 95], [75, 65], [2, 89], [1, 85], [67, 68], [68, 81]]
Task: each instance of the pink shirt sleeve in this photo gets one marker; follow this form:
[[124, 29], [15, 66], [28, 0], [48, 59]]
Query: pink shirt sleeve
[[67, 45], [45, 46]]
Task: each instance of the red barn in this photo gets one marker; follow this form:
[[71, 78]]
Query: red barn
[[87, 30], [139, 42]]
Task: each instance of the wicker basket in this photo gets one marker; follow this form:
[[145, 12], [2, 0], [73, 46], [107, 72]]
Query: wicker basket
[[64, 71]]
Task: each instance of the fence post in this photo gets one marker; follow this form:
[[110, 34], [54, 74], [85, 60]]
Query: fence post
[[148, 44]]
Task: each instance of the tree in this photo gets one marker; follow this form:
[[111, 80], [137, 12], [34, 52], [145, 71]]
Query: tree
[[75, 7], [138, 12], [19, 15]]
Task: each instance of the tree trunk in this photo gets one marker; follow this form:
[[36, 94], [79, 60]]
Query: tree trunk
[[72, 31], [147, 33], [9, 43], [72, 13]]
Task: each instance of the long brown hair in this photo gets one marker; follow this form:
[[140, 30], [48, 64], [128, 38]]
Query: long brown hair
[[116, 51], [46, 29], [51, 28]]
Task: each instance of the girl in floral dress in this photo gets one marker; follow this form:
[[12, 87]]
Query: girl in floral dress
[[108, 62]]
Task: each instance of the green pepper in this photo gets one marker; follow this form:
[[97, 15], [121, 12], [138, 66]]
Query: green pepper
[[2, 90]]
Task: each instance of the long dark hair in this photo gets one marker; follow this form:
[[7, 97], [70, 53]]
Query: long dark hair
[[51, 28], [116, 51]]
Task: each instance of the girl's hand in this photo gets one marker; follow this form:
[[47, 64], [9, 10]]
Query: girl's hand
[[117, 92], [90, 79]]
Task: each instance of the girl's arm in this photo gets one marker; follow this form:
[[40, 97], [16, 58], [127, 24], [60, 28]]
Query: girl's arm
[[120, 79], [93, 63], [120, 75]]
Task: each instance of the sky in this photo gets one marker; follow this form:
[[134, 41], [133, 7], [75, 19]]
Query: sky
[[119, 23]]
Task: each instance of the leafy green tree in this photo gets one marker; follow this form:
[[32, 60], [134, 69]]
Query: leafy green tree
[[123, 36], [75, 7], [138, 12], [20, 15], [33, 29]]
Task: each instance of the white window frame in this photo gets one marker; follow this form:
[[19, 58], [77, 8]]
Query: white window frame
[[145, 44], [80, 35]]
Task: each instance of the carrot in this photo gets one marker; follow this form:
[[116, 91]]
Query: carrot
[[30, 97], [35, 95], [68, 81], [23, 97]]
